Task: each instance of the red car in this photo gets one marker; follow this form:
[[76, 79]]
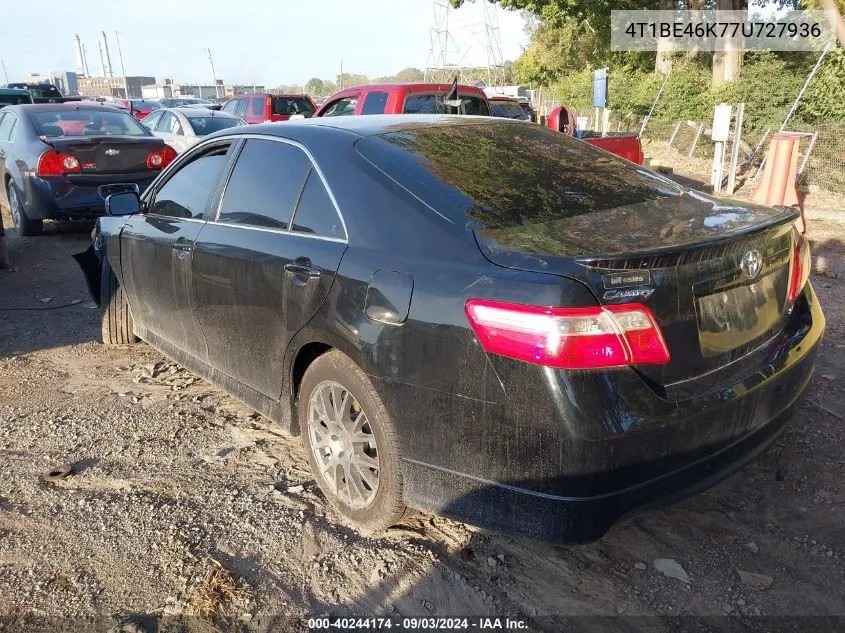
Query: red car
[[419, 98], [139, 108], [261, 107]]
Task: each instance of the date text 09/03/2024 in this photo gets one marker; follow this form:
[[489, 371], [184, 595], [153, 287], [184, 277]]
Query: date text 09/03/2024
[[417, 624]]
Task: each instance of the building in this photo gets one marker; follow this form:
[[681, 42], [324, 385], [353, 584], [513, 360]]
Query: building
[[114, 86], [65, 81], [168, 90]]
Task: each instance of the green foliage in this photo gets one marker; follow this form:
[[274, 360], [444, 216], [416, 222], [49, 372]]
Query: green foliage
[[825, 97]]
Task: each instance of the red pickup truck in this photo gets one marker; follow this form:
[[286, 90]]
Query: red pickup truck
[[427, 98], [627, 146]]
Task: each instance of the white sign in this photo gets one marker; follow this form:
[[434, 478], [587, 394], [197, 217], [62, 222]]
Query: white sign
[[722, 122]]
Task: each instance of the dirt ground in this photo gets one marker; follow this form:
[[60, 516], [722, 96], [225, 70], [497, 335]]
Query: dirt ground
[[185, 511]]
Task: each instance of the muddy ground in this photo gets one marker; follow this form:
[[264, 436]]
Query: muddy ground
[[183, 503]]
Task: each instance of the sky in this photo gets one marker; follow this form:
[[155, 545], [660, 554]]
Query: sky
[[271, 42]]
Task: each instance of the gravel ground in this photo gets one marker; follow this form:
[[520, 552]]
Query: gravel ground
[[186, 511]]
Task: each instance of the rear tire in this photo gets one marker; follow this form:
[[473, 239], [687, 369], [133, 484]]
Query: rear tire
[[356, 464], [117, 324], [23, 225]]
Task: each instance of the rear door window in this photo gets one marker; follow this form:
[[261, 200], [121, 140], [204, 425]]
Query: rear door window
[[374, 103], [240, 109], [151, 120], [187, 192], [258, 104], [265, 184], [7, 127], [316, 213], [230, 106], [433, 104]]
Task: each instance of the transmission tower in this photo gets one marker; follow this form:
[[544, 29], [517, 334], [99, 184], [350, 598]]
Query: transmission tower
[[444, 49], [495, 59]]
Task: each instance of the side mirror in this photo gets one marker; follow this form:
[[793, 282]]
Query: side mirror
[[125, 203]]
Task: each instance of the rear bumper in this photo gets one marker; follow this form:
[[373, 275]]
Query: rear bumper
[[564, 469], [57, 198]]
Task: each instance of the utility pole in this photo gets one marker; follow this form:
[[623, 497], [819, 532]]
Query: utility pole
[[122, 68], [4, 70], [213, 74]]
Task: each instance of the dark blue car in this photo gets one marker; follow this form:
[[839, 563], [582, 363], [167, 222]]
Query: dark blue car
[[55, 157]]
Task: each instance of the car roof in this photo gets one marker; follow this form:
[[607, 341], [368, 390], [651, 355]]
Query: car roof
[[65, 107], [285, 95], [415, 86], [362, 126], [14, 91], [504, 98], [200, 112]]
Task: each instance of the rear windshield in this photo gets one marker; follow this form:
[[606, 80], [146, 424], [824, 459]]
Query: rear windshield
[[501, 175], [144, 104], [38, 90], [86, 123], [433, 104], [14, 99], [508, 110], [207, 124], [292, 105]]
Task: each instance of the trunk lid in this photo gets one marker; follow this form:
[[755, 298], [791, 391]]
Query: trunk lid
[[714, 273], [109, 154]]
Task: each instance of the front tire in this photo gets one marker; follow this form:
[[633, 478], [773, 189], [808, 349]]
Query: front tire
[[23, 225], [351, 443], [117, 325]]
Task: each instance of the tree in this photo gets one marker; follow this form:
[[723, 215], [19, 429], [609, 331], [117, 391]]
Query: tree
[[315, 86], [409, 74]]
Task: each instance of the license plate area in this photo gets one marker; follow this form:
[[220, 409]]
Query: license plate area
[[737, 316]]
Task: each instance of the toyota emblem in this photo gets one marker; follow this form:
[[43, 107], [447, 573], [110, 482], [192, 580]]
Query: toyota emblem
[[751, 263]]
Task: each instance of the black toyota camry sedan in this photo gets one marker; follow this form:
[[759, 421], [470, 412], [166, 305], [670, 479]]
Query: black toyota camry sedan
[[55, 157], [470, 316]]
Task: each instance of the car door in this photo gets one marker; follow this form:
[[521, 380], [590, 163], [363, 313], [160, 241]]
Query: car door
[[264, 266], [156, 247]]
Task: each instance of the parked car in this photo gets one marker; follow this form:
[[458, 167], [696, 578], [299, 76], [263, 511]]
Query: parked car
[[42, 92], [182, 102], [180, 128], [139, 108], [14, 96], [508, 108], [260, 107], [525, 104], [473, 316], [627, 146], [54, 158], [403, 98]]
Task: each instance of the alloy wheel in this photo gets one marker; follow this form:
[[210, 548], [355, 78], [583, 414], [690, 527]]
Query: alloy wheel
[[14, 207], [343, 444]]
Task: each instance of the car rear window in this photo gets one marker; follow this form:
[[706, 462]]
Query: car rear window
[[433, 104], [500, 175], [14, 100], [207, 124], [292, 105], [508, 110], [86, 123], [144, 104]]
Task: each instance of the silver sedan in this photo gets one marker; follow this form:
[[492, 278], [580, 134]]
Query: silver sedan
[[182, 127]]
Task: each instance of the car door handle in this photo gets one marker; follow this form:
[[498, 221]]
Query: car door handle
[[303, 267]]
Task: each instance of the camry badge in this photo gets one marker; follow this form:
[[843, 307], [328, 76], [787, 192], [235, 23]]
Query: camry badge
[[112, 152], [751, 263]]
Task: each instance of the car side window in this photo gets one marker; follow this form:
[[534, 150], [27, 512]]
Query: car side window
[[374, 103], [7, 126], [151, 120], [174, 126], [186, 194], [342, 107], [316, 213], [265, 184], [258, 106], [240, 109], [230, 106], [165, 123]]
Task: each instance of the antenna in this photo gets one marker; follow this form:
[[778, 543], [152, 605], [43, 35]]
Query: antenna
[[4, 70]]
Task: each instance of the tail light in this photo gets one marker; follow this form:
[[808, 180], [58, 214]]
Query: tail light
[[161, 158], [268, 108], [800, 268], [51, 163], [570, 338]]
